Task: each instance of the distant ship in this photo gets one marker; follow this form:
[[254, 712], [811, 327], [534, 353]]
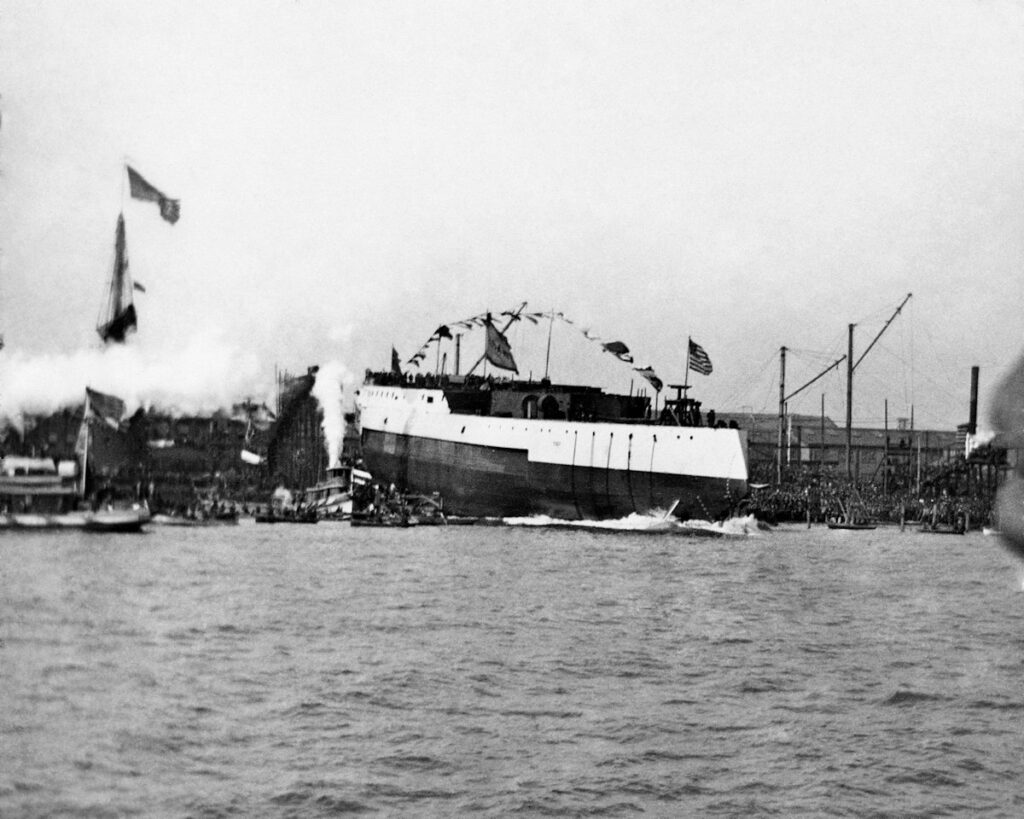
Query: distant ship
[[508, 448]]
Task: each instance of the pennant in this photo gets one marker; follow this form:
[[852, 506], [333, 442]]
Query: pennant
[[138, 287], [442, 332], [648, 373], [108, 408], [396, 366], [699, 361], [498, 351], [619, 350], [170, 209]]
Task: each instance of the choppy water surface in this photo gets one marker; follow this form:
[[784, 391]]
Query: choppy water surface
[[307, 670]]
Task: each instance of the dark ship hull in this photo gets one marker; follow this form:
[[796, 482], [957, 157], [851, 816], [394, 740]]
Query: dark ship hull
[[489, 481]]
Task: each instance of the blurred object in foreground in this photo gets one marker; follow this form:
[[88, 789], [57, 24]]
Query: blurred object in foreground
[[1008, 421]]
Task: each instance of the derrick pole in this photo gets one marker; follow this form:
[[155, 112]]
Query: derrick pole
[[782, 414]]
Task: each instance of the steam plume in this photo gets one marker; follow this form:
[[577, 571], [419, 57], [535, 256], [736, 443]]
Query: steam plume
[[201, 376], [329, 390]]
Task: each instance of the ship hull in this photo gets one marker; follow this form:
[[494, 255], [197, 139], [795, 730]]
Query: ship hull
[[484, 481], [505, 467]]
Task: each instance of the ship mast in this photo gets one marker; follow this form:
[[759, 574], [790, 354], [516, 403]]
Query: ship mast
[[551, 326]]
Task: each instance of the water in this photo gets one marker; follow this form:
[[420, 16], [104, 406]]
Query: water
[[315, 670]]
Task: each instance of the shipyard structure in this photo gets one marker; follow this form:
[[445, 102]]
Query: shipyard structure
[[241, 454]]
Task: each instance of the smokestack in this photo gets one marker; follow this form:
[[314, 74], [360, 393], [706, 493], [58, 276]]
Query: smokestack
[[972, 423]]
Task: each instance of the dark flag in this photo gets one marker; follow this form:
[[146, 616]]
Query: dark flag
[[108, 408], [699, 361], [498, 351], [138, 287], [619, 350], [396, 365], [648, 373], [170, 209], [442, 332]]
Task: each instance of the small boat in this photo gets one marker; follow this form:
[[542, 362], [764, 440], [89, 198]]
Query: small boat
[[393, 521], [852, 525], [401, 510], [288, 516], [175, 520], [116, 520], [854, 516]]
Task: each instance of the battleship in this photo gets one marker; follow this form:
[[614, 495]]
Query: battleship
[[506, 447]]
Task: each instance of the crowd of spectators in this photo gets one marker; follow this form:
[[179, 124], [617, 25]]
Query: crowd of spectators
[[820, 498]]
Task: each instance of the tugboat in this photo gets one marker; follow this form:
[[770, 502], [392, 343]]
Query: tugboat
[[331, 499]]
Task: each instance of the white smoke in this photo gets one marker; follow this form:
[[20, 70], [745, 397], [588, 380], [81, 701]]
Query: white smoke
[[203, 375], [329, 391]]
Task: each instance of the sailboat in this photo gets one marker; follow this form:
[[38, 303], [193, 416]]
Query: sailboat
[[119, 318], [103, 448]]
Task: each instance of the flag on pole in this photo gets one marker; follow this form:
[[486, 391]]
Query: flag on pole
[[170, 209], [648, 373], [108, 408], [498, 351], [699, 361]]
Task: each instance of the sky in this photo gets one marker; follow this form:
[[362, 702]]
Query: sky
[[354, 174]]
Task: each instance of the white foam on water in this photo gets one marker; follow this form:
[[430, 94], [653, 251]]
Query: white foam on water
[[656, 521]]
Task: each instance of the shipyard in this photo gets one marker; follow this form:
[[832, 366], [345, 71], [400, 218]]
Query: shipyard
[[511, 409], [254, 460]]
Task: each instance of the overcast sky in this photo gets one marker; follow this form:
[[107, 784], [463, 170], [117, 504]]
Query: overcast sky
[[353, 174]]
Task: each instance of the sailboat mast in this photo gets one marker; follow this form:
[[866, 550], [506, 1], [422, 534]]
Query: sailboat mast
[[120, 318], [117, 276]]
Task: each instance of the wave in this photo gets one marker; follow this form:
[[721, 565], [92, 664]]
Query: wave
[[652, 522]]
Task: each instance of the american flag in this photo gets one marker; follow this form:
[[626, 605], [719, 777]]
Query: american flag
[[699, 361]]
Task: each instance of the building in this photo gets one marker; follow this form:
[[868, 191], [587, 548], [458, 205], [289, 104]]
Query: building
[[895, 457]]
